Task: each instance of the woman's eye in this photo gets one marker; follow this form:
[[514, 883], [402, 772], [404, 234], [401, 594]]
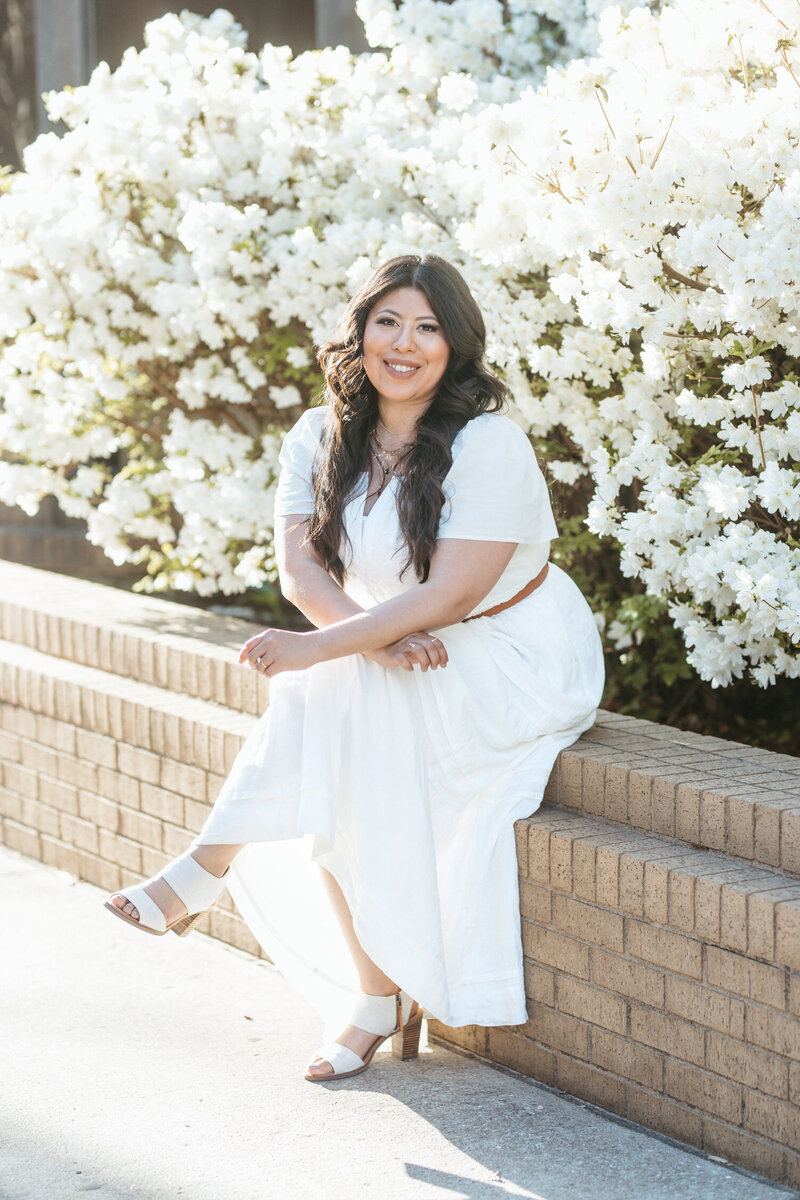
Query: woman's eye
[[429, 328]]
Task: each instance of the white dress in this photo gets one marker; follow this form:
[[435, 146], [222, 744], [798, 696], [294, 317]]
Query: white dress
[[406, 785]]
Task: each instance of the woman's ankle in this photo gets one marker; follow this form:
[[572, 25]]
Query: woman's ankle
[[215, 859]]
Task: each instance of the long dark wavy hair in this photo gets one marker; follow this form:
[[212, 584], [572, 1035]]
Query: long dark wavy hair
[[466, 389]]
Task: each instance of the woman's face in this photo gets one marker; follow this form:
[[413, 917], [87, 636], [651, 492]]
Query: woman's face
[[405, 350]]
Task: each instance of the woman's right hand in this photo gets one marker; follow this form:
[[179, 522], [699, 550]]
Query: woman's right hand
[[422, 648]]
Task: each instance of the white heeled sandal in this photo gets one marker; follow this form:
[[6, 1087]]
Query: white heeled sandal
[[385, 1016], [196, 887]]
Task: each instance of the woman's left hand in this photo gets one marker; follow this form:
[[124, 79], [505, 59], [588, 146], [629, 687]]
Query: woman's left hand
[[276, 650]]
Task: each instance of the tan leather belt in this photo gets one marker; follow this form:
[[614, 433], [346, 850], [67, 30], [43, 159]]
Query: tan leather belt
[[526, 591]]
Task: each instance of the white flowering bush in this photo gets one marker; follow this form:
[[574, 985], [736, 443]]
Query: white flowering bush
[[619, 188], [658, 183], [170, 261]]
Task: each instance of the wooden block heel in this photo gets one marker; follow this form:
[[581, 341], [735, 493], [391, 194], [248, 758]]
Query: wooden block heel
[[405, 1043], [187, 924]]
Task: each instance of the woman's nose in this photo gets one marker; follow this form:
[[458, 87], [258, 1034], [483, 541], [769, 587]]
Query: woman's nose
[[404, 339]]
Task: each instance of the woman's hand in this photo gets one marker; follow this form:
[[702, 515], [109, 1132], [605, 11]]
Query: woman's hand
[[422, 648], [276, 650]]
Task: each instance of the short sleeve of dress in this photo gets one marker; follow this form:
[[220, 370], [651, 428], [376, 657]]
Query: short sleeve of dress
[[294, 493], [495, 491]]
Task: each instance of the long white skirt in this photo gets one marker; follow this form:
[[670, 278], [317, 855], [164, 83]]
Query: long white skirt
[[406, 787]]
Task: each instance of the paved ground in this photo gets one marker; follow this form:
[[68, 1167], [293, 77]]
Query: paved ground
[[155, 1068]]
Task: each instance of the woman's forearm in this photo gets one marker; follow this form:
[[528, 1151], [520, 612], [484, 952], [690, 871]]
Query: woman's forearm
[[426, 606], [317, 595]]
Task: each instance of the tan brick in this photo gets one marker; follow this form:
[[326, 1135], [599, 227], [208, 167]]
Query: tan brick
[[196, 813], [773, 1030], [773, 1119], [591, 1004], [621, 1056], [38, 758], [630, 979], [469, 1037], [182, 778], [615, 804], [140, 827], [607, 877], [587, 922], [712, 820], [687, 813], [141, 764], [215, 782], [703, 1090], [554, 950], [737, 1061], [667, 1116], [583, 869], [20, 838], [589, 1083], [761, 920], [10, 747], [705, 1007], [83, 835], [160, 803], [78, 772], [540, 984], [743, 1149], [561, 860], [664, 949], [571, 779], [120, 851], [594, 771], [535, 902], [230, 929], [681, 901], [10, 804], [557, 1030], [119, 788], [631, 885], [664, 805], [521, 840], [39, 817], [768, 831], [102, 813], [58, 854], [99, 870], [741, 827], [521, 1054], [664, 1032], [21, 780], [175, 839], [790, 840], [97, 748], [752, 980], [787, 934], [640, 800]]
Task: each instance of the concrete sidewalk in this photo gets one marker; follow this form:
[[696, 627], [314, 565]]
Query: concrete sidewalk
[[156, 1068]]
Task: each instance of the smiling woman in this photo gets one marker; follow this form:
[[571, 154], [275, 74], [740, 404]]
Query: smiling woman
[[366, 829]]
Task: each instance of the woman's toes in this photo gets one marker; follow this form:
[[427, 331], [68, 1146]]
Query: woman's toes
[[320, 1066]]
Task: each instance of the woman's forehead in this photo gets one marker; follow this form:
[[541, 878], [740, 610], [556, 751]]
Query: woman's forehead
[[405, 302]]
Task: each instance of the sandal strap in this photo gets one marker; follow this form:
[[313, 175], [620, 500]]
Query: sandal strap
[[341, 1058], [193, 884], [375, 1014], [150, 915]]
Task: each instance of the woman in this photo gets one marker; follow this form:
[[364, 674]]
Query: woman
[[412, 528]]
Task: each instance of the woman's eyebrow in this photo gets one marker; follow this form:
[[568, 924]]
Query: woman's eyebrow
[[391, 311]]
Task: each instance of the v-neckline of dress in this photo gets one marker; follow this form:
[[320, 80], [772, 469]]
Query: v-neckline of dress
[[366, 515]]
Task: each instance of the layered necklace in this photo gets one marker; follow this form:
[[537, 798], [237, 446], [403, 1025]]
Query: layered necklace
[[386, 460]]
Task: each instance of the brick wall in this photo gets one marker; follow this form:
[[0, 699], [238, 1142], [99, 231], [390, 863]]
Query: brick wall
[[659, 888]]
